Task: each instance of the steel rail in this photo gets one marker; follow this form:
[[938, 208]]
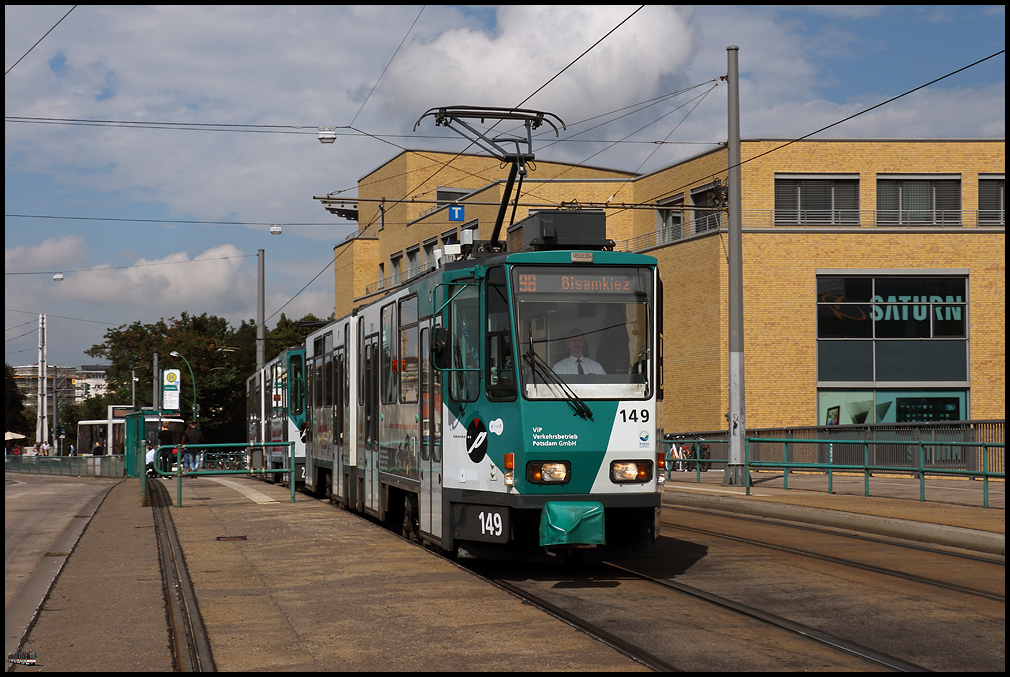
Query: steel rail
[[191, 646], [630, 650], [805, 631]]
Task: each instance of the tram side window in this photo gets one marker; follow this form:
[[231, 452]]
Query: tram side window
[[388, 358], [297, 400], [361, 363], [315, 373], [501, 379], [408, 350], [327, 399], [464, 329], [327, 380]]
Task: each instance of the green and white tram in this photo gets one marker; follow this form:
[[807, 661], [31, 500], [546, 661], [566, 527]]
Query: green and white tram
[[275, 412], [504, 404]]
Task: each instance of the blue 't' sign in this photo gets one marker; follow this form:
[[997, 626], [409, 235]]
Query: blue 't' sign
[[456, 213]]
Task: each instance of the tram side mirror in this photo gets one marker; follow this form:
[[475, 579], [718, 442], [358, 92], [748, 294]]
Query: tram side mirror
[[641, 366], [440, 353]]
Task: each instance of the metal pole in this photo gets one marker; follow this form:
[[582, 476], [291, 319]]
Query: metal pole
[[737, 425], [260, 313], [56, 413], [41, 425], [156, 386], [196, 412]]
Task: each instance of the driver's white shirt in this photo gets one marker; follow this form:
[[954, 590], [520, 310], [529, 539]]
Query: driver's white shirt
[[570, 366]]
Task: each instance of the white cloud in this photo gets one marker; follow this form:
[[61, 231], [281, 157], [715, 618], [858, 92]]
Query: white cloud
[[211, 281], [52, 255], [532, 44]]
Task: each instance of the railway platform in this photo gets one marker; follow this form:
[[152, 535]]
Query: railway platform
[[304, 586]]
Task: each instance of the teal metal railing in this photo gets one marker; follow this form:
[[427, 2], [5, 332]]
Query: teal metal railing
[[917, 464], [920, 458], [244, 449]]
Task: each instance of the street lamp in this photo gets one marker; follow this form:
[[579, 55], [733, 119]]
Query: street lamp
[[133, 383], [196, 412]]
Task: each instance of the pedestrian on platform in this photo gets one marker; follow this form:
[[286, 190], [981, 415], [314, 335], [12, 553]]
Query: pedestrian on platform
[[190, 439], [165, 439], [152, 453]]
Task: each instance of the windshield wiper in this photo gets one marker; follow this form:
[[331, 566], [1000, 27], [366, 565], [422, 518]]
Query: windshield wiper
[[539, 366]]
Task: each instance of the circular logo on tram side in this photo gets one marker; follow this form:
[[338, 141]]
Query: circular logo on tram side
[[476, 441]]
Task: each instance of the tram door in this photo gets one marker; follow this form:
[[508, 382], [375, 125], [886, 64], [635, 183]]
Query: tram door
[[371, 420], [431, 441]]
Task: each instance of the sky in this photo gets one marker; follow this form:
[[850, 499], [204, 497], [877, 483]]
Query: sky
[[147, 221]]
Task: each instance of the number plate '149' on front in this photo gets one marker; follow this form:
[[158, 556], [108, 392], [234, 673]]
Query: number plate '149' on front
[[481, 523]]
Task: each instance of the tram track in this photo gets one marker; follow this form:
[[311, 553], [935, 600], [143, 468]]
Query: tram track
[[629, 649], [867, 621], [190, 644], [864, 655], [805, 631]]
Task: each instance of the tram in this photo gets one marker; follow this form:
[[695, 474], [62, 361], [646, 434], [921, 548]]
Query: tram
[[275, 412]]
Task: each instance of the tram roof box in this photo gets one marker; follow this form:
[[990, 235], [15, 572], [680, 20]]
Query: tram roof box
[[564, 229]]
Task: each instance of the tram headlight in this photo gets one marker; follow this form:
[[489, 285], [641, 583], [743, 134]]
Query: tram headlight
[[548, 472], [623, 472], [510, 470]]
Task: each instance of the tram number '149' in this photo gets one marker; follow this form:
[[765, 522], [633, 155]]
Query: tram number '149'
[[482, 523], [634, 415], [490, 523]]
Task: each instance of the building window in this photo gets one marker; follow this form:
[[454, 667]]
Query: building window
[[841, 407], [878, 335], [413, 261], [428, 253], [816, 201], [991, 201], [918, 202], [395, 269], [446, 196], [712, 196], [670, 220]]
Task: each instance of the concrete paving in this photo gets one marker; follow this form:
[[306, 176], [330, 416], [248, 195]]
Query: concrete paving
[[305, 586]]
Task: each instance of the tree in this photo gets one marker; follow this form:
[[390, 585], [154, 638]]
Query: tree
[[290, 333], [15, 418], [222, 359], [215, 351]]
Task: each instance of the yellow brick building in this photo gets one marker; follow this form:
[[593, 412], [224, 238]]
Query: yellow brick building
[[874, 270]]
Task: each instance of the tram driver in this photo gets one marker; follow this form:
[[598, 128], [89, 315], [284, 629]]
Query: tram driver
[[577, 362]]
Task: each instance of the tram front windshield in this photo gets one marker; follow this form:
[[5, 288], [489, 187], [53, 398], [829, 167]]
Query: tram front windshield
[[587, 327]]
